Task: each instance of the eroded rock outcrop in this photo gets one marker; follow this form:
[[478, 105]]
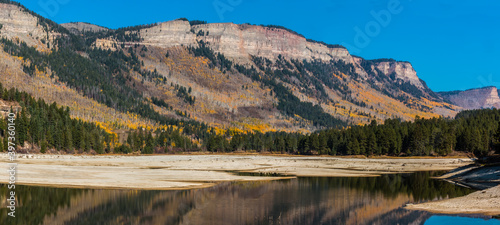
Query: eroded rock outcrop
[[169, 34], [19, 25], [240, 41], [400, 70], [474, 98]]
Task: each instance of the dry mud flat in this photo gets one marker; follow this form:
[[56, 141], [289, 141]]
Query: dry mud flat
[[167, 172], [485, 202]]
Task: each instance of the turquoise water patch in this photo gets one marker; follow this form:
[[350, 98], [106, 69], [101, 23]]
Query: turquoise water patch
[[458, 220]]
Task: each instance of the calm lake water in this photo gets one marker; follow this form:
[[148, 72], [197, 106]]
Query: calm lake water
[[296, 201]]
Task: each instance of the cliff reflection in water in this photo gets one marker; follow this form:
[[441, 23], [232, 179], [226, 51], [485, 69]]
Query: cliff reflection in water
[[297, 201]]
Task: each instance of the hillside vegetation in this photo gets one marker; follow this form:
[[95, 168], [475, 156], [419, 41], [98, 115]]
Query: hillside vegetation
[[147, 97]]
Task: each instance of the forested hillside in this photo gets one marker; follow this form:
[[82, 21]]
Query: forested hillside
[[175, 86], [46, 126]]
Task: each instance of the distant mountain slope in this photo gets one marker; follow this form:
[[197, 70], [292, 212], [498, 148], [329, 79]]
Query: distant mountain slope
[[80, 27], [478, 98], [226, 75]]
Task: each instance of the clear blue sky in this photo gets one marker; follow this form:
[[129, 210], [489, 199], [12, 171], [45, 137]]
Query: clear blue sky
[[453, 44]]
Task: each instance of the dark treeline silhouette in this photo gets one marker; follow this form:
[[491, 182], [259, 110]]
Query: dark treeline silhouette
[[476, 132]]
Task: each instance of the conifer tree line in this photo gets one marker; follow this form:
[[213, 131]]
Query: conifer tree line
[[476, 132], [48, 126]]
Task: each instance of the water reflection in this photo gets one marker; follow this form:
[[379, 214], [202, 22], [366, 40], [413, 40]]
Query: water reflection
[[296, 201]]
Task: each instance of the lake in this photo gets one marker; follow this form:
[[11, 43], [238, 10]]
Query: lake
[[353, 200]]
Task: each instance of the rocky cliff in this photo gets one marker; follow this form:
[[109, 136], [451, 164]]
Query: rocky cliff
[[474, 98], [399, 70], [19, 24], [169, 34], [241, 41], [238, 41]]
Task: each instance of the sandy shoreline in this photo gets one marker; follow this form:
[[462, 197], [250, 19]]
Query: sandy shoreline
[[169, 172]]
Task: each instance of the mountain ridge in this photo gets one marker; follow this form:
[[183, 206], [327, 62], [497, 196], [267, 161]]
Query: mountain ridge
[[80, 27], [238, 75]]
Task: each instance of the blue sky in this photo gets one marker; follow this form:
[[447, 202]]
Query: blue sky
[[453, 44]]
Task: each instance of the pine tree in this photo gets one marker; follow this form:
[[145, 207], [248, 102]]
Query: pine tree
[[372, 144], [280, 144], [82, 145], [314, 140], [43, 147], [21, 127], [353, 147], [149, 148], [417, 143], [496, 139], [392, 141], [382, 142], [362, 142], [34, 129], [5, 142], [291, 143], [323, 143], [475, 145], [58, 135], [304, 146], [77, 136], [139, 140], [68, 139], [212, 144]]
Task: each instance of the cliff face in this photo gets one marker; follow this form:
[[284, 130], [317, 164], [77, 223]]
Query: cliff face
[[169, 34], [474, 98], [19, 25], [240, 41], [400, 70]]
